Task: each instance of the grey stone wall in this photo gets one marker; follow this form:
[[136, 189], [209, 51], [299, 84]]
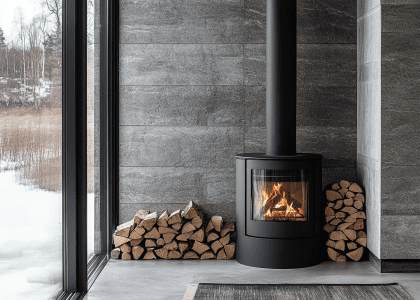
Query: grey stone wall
[[192, 95], [388, 140]]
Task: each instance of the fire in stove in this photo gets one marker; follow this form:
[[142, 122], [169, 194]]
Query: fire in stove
[[279, 201]]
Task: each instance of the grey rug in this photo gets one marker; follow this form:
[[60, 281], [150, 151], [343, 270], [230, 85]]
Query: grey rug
[[208, 291]]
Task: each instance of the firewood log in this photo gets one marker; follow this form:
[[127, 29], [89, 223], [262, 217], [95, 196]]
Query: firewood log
[[225, 240], [162, 253], [160, 242], [329, 212], [338, 235], [335, 187], [182, 247], [150, 243], [212, 237], [340, 215], [168, 237], [163, 230], [197, 221], [344, 184], [137, 252], [137, 233], [175, 217], [343, 226], [174, 254], [188, 227], [335, 222], [341, 258], [184, 237], [149, 221], [332, 204], [348, 202], [191, 255], [351, 234], [177, 226], [338, 204], [329, 218], [359, 225], [198, 236], [190, 212], [115, 253], [340, 245], [332, 254], [362, 241], [351, 246], [350, 194], [208, 255], [119, 240], [350, 219], [358, 204], [351, 226], [149, 254], [152, 234], [361, 234], [124, 229], [125, 248], [359, 197], [221, 254], [331, 243], [354, 187], [333, 195], [200, 248], [329, 228], [215, 246], [356, 255], [126, 256], [343, 192], [140, 215], [359, 215], [230, 250], [350, 210], [229, 227], [136, 242], [171, 246], [217, 222], [163, 220]]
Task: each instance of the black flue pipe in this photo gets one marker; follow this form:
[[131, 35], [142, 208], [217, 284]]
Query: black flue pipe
[[281, 77]]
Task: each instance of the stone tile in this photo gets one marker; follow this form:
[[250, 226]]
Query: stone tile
[[318, 64], [364, 6], [166, 21], [400, 190], [221, 186], [162, 185], [254, 103], [332, 175], [369, 37], [400, 138], [401, 98], [400, 237], [400, 2], [400, 18], [162, 146], [227, 210], [181, 64], [255, 139], [327, 65], [181, 105], [128, 210], [327, 21], [254, 64], [255, 21]]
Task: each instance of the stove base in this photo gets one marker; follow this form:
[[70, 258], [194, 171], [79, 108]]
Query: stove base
[[278, 253]]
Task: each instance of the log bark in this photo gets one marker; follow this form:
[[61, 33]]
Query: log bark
[[191, 255], [149, 221], [356, 255], [124, 229], [149, 254], [190, 212], [229, 227], [208, 255], [175, 217], [217, 222], [137, 252], [174, 254], [163, 220], [115, 253], [153, 234], [198, 236], [200, 248], [162, 253]]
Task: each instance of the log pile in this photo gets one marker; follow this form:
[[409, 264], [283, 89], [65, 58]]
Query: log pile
[[345, 218], [179, 235]]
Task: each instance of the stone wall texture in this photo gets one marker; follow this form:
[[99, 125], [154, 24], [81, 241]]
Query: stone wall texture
[[192, 96], [388, 124]]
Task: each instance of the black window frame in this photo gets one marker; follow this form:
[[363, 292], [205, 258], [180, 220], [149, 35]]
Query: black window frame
[[79, 273]]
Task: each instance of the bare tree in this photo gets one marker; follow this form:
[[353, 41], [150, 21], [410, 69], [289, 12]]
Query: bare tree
[[22, 36], [43, 28], [55, 9]]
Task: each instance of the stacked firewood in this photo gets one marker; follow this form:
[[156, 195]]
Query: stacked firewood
[[180, 235], [345, 218]]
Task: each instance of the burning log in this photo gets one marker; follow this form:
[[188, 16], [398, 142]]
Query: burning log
[[345, 225], [180, 235]]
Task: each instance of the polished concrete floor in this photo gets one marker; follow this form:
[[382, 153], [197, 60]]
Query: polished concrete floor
[[169, 280]]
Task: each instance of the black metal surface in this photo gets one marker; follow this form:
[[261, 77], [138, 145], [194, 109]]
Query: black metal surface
[[281, 77], [278, 244], [74, 146]]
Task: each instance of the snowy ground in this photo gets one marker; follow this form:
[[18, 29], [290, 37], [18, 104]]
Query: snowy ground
[[30, 240]]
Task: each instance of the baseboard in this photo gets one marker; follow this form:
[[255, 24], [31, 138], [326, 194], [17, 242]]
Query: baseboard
[[395, 265]]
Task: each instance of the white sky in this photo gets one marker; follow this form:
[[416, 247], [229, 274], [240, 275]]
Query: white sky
[[7, 13]]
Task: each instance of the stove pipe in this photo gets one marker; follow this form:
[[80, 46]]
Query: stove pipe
[[281, 77]]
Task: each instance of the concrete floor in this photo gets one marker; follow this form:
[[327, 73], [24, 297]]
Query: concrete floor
[[169, 280]]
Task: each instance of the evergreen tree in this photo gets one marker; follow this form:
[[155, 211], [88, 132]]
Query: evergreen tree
[[2, 40]]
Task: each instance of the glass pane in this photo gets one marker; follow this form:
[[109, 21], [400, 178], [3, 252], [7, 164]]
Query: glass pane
[[30, 149], [279, 195], [93, 128]]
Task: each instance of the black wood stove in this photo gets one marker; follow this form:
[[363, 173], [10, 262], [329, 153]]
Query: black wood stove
[[278, 193]]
